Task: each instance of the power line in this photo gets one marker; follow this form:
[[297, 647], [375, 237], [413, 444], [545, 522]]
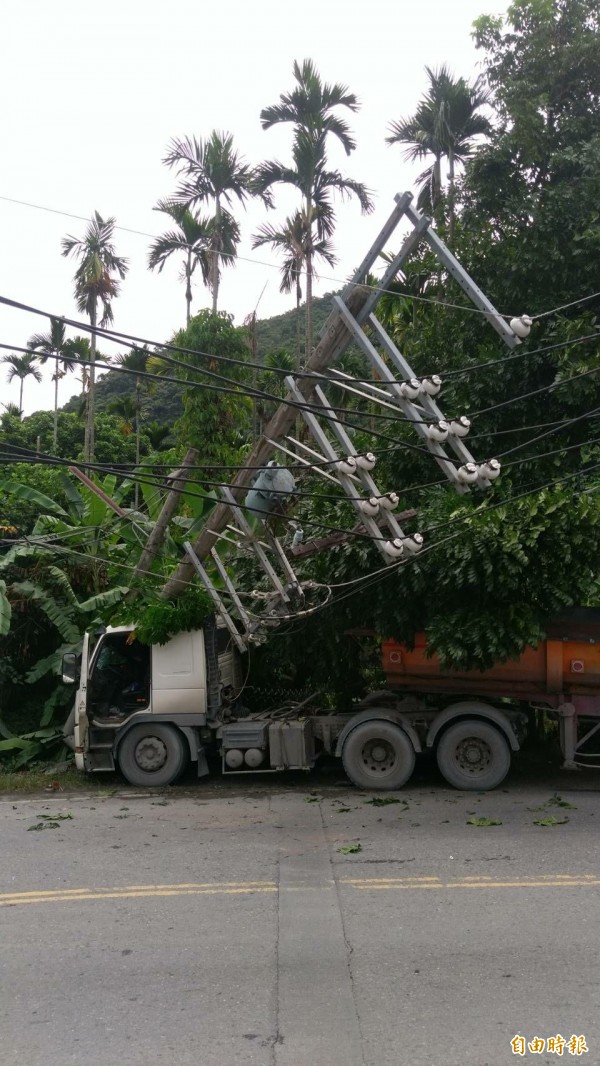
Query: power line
[[47, 461], [434, 302]]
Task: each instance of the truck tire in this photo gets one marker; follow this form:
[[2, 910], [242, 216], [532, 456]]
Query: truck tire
[[152, 755], [473, 754], [378, 755]]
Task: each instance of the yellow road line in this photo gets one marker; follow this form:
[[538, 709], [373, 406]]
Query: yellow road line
[[562, 883], [236, 888], [85, 896]]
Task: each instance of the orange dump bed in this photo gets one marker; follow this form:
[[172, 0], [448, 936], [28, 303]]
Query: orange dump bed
[[567, 663]]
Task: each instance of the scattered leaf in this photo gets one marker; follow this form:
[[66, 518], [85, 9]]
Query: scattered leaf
[[56, 817], [550, 820], [42, 825], [350, 849], [343, 810], [311, 799], [475, 820], [383, 801], [558, 801]]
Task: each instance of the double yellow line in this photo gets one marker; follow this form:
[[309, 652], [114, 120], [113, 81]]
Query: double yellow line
[[76, 895], [543, 881], [240, 888]]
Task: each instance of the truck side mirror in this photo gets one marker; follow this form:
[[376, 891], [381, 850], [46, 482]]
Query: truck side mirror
[[69, 668]]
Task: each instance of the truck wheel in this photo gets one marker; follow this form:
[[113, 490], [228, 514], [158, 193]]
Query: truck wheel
[[473, 755], [152, 755], [378, 755]]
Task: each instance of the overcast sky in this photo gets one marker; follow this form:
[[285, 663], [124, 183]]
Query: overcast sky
[[91, 97]]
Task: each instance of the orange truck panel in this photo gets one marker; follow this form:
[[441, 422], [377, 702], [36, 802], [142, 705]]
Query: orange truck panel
[[556, 666]]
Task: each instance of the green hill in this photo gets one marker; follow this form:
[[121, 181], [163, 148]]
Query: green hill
[[164, 405]]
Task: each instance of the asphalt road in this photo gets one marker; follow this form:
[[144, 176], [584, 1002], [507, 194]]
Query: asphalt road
[[225, 927]]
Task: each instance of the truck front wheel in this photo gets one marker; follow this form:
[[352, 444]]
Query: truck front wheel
[[473, 755], [152, 755], [378, 755]]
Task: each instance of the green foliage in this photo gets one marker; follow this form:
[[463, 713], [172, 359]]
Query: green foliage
[[5, 610], [156, 621], [217, 423], [36, 434]]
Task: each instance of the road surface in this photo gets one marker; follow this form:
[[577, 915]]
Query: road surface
[[255, 926]]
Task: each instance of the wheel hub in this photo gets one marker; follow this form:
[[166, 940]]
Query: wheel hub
[[378, 756], [473, 755], [151, 754]]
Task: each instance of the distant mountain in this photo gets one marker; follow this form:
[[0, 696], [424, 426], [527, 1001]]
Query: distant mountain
[[164, 405]]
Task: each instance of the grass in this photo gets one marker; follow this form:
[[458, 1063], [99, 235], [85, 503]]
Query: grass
[[25, 781]]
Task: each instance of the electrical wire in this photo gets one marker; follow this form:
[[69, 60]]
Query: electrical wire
[[116, 336], [207, 496], [323, 277]]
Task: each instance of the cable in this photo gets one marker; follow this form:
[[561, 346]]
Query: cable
[[323, 277], [117, 336], [270, 265], [205, 496], [482, 509], [535, 392], [27, 455], [541, 436], [563, 307]]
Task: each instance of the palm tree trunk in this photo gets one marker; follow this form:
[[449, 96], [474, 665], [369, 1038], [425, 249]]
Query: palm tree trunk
[[55, 429], [91, 397], [451, 209], [188, 287], [214, 266], [298, 298], [308, 340], [21, 398], [309, 321]]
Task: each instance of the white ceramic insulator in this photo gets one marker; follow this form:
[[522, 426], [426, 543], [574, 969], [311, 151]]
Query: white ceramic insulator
[[468, 473], [411, 389], [490, 470], [459, 427], [431, 385], [394, 548], [413, 544], [366, 461], [370, 507], [390, 501], [346, 466], [438, 431], [521, 326]]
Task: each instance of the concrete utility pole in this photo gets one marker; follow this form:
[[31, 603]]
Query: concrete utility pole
[[159, 532], [335, 338]]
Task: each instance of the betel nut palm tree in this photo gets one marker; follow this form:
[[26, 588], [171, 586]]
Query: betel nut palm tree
[[192, 239], [21, 367], [312, 109], [444, 126], [294, 241], [212, 172], [95, 284], [64, 353]]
